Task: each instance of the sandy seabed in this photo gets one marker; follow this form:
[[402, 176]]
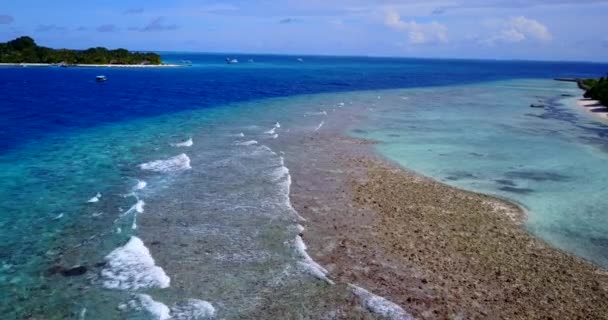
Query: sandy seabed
[[437, 251]]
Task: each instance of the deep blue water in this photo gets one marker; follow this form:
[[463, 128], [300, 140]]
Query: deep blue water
[[220, 224], [38, 101]]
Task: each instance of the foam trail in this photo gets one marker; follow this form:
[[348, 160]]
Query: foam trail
[[59, 216], [380, 306], [157, 310], [271, 131], [247, 143], [140, 185], [135, 209], [83, 314], [131, 267], [191, 309], [321, 113], [177, 163], [287, 186], [278, 174], [300, 229], [138, 207], [95, 198], [274, 136], [319, 126], [308, 263], [187, 143]]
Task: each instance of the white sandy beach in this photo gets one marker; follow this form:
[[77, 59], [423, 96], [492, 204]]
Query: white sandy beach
[[594, 107]]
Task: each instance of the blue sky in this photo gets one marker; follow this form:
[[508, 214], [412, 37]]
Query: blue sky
[[490, 29]]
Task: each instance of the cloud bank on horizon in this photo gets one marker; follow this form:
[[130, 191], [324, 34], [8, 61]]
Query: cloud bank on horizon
[[495, 29]]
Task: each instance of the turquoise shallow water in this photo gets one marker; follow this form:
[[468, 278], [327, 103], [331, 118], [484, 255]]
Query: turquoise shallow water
[[223, 229], [486, 138]]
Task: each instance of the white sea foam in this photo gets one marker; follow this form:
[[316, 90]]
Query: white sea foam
[[131, 267], [191, 309], [97, 214], [380, 306], [278, 174], [95, 198], [271, 131], [59, 216], [301, 247], [277, 125], [177, 163], [247, 143], [319, 126], [187, 143], [156, 310], [341, 104], [320, 113], [141, 185], [308, 263], [138, 207], [300, 229]]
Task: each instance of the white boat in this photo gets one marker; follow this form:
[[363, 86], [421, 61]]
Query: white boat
[[101, 78], [231, 61]]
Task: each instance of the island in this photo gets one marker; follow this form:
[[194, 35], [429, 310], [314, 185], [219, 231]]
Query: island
[[25, 51], [595, 98], [596, 90]]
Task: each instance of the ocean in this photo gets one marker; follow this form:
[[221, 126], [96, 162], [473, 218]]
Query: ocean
[[168, 186]]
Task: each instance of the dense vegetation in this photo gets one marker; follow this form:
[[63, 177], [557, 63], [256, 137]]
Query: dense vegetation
[[597, 90], [25, 50]]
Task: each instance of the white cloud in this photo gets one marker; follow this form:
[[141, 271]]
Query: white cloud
[[418, 33], [518, 29]]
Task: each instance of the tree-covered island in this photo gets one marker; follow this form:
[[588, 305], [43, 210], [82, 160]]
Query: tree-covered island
[[596, 89], [25, 50]]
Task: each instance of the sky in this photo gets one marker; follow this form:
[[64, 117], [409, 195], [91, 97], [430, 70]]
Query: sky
[[477, 29]]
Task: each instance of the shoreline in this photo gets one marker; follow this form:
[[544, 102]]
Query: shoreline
[[435, 250], [594, 107], [42, 65]]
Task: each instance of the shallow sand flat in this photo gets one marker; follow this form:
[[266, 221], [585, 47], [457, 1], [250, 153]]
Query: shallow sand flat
[[594, 107], [437, 251]]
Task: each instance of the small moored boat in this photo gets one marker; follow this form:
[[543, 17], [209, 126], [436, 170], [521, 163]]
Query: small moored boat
[[101, 78]]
